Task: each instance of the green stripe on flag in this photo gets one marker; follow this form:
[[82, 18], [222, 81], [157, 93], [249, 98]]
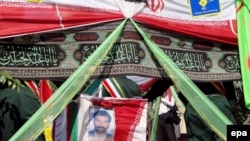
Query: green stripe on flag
[[73, 121], [203, 106], [155, 119], [243, 23], [64, 94], [117, 87]]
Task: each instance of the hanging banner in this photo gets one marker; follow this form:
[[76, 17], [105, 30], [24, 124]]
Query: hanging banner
[[58, 54], [125, 119], [27, 18], [174, 16]]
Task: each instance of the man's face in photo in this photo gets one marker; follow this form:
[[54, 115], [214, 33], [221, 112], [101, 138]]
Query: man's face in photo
[[101, 124]]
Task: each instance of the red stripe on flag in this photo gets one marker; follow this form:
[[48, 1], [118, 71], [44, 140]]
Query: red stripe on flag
[[69, 125], [219, 86], [109, 89], [33, 86], [45, 90], [146, 86], [169, 93]]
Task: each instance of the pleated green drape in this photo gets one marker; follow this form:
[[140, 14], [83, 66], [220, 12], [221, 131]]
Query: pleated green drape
[[243, 23], [203, 106], [64, 94]]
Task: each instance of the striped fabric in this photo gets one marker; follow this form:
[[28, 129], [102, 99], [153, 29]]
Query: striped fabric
[[33, 87], [120, 87], [113, 88], [129, 118]]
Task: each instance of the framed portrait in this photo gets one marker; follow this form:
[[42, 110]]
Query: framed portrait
[[101, 124]]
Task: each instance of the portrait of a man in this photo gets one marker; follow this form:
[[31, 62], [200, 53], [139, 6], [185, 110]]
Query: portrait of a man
[[101, 119]]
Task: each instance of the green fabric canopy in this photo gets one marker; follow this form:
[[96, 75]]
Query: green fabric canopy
[[58, 101], [216, 120], [243, 23]]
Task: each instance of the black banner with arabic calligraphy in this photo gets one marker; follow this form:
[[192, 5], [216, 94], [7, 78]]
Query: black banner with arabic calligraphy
[[58, 54]]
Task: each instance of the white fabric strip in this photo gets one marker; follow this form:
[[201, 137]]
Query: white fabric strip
[[129, 9]]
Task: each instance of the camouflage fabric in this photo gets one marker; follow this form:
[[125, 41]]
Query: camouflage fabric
[[16, 109]]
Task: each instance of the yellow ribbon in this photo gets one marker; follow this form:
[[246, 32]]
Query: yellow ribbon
[[47, 131], [48, 134]]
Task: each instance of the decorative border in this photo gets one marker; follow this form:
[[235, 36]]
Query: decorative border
[[121, 70]]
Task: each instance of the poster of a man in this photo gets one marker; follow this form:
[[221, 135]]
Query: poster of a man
[[101, 119]]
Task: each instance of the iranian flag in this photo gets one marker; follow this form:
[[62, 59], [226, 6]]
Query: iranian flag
[[213, 20], [128, 119]]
